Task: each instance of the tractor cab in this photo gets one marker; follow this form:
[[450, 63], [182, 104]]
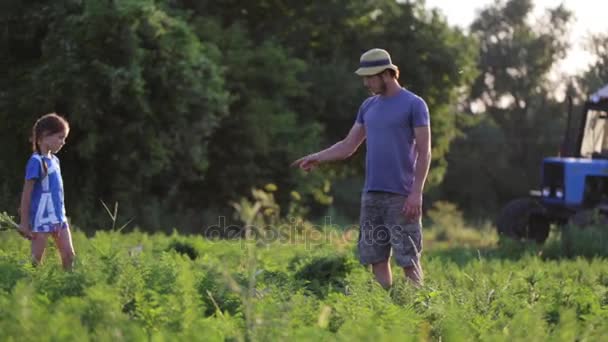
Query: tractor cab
[[593, 140], [572, 184]]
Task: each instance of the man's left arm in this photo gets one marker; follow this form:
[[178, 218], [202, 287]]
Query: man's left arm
[[413, 204], [423, 161]]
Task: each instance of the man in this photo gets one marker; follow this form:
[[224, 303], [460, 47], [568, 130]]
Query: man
[[396, 124]]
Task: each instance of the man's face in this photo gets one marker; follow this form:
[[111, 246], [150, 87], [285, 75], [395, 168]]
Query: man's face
[[375, 84]]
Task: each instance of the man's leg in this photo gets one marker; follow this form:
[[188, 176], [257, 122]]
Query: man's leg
[[374, 239], [406, 240], [414, 273], [407, 247], [382, 271]]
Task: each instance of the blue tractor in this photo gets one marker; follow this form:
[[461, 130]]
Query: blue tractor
[[573, 185]]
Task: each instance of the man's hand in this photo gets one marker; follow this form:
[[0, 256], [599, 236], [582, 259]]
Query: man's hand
[[412, 209], [308, 162], [25, 231]]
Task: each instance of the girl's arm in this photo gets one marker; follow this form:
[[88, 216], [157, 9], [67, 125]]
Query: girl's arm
[[26, 198]]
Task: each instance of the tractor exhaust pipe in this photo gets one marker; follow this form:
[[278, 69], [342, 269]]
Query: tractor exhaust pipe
[[566, 149]]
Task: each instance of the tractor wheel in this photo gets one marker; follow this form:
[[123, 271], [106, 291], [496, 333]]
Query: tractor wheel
[[522, 219]]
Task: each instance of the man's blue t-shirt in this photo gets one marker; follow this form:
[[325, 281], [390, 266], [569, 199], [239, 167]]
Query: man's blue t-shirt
[[47, 204], [391, 149]]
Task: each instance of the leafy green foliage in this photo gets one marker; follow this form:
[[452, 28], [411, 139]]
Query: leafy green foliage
[[596, 75], [179, 107], [241, 291], [514, 100], [142, 93]]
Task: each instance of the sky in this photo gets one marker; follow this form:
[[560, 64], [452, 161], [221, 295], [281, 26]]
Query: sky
[[589, 17]]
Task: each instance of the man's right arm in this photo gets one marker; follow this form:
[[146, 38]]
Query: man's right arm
[[346, 147], [339, 151]]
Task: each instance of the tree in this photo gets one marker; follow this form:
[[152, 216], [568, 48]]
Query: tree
[[521, 121], [143, 95], [179, 105], [596, 76], [262, 135], [329, 37]]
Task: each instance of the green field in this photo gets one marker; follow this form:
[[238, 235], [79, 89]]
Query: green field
[[136, 286], [177, 108]]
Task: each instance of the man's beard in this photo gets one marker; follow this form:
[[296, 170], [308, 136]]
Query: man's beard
[[381, 91]]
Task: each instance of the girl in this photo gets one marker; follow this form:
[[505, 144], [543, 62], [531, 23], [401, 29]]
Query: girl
[[42, 208]]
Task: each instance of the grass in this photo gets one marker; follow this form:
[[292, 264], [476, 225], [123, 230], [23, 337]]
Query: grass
[[306, 284], [163, 287]]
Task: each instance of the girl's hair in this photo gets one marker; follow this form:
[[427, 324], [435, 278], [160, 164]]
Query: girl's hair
[[47, 124]]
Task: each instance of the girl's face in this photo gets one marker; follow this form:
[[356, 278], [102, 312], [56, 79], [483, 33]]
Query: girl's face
[[53, 142]]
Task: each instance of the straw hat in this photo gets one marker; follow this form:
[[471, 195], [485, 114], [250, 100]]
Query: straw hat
[[374, 62]]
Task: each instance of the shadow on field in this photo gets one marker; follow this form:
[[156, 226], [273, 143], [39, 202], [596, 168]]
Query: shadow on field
[[464, 255], [567, 243]]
